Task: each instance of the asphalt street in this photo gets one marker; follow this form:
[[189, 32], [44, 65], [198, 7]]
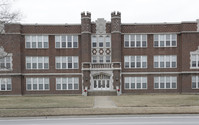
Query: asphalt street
[[106, 120]]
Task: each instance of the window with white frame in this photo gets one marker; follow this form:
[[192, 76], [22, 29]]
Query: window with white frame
[[67, 83], [135, 82], [66, 41], [36, 41], [66, 62], [37, 62], [133, 40], [165, 82], [6, 62], [5, 84], [165, 40], [165, 61], [37, 84], [195, 82], [194, 60], [135, 61]]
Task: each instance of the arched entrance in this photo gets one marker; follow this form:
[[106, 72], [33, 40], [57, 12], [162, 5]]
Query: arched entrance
[[101, 81]]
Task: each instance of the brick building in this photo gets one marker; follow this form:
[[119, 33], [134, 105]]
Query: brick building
[[99, 56]]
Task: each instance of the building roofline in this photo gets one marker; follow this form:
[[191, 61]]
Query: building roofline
[[159, 23]]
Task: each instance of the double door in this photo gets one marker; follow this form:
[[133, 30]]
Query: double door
[[101, 84]]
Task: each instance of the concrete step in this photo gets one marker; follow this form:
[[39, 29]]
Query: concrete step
[[102, 93]]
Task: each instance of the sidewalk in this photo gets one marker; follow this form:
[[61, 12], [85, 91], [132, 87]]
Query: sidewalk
[[104, 102]]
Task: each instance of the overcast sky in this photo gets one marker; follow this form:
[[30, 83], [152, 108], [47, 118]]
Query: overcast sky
[[132, 11]]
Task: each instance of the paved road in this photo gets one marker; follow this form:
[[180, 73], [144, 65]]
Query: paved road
[[107, 120]]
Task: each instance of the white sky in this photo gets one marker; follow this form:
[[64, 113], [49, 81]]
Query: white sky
[[132, 11]]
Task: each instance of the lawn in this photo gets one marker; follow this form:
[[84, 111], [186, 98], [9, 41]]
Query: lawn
[[39, 102], [162, 100]]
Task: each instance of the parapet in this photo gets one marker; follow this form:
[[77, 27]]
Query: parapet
[[116, 14], [86, 14]]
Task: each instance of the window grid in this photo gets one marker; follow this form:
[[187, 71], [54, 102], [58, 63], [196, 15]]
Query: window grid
[[135, 83], [67, 83], [101, 59], [37, 62], [135, 41], [165, 61], [67, 62], [165, 82], [135, 61], [5, 84], [102, 41], [165, 40], [195, 82], [36, 41], [194, 61], [6, 63], [37, 84], [66, 41]]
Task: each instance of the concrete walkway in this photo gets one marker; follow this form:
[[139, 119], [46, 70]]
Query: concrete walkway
[[104, 102]]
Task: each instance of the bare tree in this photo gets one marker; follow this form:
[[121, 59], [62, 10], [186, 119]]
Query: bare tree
[[6, 16]]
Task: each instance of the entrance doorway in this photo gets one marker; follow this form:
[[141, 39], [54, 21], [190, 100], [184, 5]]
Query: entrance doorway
[[101, 82]]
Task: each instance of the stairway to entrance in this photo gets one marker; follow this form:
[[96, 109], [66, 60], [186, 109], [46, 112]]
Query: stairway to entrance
[[102, 93]]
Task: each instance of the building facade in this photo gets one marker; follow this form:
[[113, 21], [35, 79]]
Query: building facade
[[99, 56]]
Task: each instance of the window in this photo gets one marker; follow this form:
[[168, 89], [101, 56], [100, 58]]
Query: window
[[101, 41], [34, 62], [135, 83], [108, 59], [36, 41], [135, 41], [195, 82], [165, 40], [94, 59], [6, 63], [94, 41], [37, 84], [108, 42], [66, 62], [67, 83], [66, 41], [165, 82], [194, 60], [5, 84], [165, 61], [135, 61]]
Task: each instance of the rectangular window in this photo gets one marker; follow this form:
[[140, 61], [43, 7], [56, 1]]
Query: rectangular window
[[195, 61], [165, 40], [5, 84], [108, 42], [165, 61], [37, 84], [66, 41], [132, 41], [135, 83], [165, 82], [135, 61], [195, 82], [100, 40], [67, 83], [34, 62], [6, 63], [36, 41], [67, 62], [94, 59], [94, 41]]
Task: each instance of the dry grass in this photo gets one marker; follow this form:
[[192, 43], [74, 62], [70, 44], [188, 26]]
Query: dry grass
[[35, 102], [156, 100]]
